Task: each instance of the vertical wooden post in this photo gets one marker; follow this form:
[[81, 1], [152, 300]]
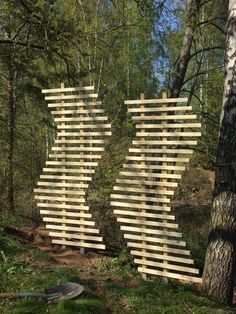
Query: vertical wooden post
[[63, 168], [164, 105], [142, 97]]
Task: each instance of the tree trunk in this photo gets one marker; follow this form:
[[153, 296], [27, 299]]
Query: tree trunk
[[193, 7], [220, 263], [11, 135]]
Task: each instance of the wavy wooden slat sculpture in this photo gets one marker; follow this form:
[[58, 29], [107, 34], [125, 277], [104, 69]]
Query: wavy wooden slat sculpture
[[61, 193], [147, 181]]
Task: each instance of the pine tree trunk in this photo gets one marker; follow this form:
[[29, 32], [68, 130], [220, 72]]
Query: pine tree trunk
[[193, 7], [220, 263]]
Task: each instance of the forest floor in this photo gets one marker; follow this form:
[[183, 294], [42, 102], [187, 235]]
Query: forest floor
[[111, 284]]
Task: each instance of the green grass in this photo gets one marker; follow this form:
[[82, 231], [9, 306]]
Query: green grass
[[111, 286]]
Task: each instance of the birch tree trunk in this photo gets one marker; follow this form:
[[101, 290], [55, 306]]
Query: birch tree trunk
[[220, 263]]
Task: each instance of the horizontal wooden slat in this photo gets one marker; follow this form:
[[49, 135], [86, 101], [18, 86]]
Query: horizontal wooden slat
[[165, 117], [79, 244], [164, 159], [160, 109], [69, 221], [81, 141], [75, 229], [150, 175], [54, 191], [154, 239], [82, 149], [169, 275], [155, 101], [67, 89], [83, 119], [74, 104], [81, 156], [162, 257], [166, 266], [168, 126], [144, 222], [142, 182], [160, 150], [60, 199], [64, 97], [150, 190], [140, 198], [152, 231], [169, 134], [68, 170], [84, 126], [77, 134], [69, 185], [164, 142], [61, 177], [138, 205], [65, 213], [75, 236], [164, 248], [77, 111], [143, 214], [72, 163], [151, 166], [63, 206]]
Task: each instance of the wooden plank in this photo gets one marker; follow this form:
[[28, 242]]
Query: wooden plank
[[81, 149], [164, 142], [167, 159], [58, 198], [140, 198], [63, 206], [153, 166], [155, 101], [161, 150], [71, 163], [169, 275], [142, 182], [154, 239], [165, 117], [74, 104], [77, 111], [82, 141], [84, 126], [137, 205], [159, 248], [167, 266], [80, 244], [151, 231], [68, 185], [54, 191], [64, 97], [67, 214], [74, 156], [84, 119], [160, 109], [169, 126], [75, 229], [75, 236], [66, 89], [143, 214], [74, 134], [69, 221], [61, 177], [162, 256], [138, 220], [150, 175], [171, 134], [150, 190], [68, 170]]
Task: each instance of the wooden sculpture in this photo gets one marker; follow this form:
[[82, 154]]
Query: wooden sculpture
[[147, 181], [61, 193]]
